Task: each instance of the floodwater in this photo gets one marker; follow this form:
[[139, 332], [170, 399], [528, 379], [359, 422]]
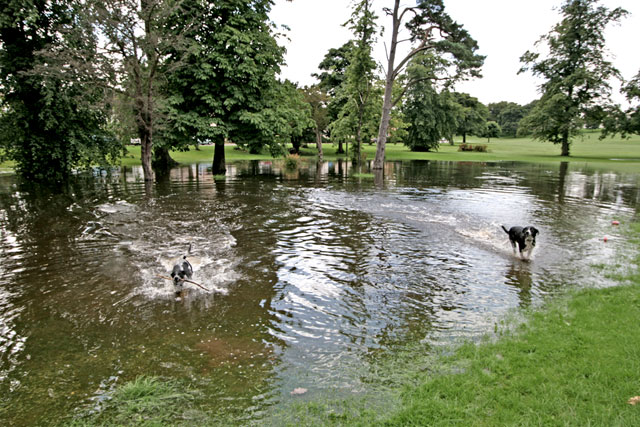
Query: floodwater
[[313, 275]]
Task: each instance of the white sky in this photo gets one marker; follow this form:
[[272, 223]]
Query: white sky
[[504, 30]]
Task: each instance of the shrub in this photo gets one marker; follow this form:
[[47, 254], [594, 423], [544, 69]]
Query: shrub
[[480, 148], [292, 161]]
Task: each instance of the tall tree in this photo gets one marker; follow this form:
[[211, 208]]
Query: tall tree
[[431, 115], [576, 71], [431, 29], [473, 118], [507, 115], [228, 87], [334, 69], [124, 47], [317, 100], [358, 86], [632, 115], [48, 125]]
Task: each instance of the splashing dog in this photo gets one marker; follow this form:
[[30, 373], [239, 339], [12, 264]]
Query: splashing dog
[[182, 271], [524, 237]]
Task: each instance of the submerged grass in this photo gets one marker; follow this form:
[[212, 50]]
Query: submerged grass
[[145, 401]]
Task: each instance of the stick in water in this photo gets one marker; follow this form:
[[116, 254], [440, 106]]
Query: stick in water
[[184, 280]]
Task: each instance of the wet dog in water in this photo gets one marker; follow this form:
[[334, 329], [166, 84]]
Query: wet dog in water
[[524, 237], [181, 270]]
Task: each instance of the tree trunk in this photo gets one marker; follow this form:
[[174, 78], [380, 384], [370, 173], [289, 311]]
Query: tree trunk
[[388, 88], [219, 162], [319, 144], [340, 148], [384, 126], [162, 161], [296, 142], [357, 145], [565, 143], [464, 137], [146, 146]]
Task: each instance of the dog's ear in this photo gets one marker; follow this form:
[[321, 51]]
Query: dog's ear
[[534, 231]]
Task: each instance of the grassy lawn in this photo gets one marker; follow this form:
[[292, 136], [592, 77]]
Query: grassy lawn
[[623, 153], [586, 149]]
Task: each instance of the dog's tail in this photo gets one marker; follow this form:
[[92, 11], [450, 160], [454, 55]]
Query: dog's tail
[[505, 230], [188, 252]]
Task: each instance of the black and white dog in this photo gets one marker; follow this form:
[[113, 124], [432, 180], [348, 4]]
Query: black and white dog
[[182, 270], [524, 237]]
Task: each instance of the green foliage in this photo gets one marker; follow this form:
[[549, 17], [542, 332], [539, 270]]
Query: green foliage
[[479, 148], [225, 87], [628, 121], [432, 116], [334, 67], [285, 118], [48, 126], [292, 161], [576, 71], [356, 119], [473, 116], [508, 116], [492, 130], [317, 100]]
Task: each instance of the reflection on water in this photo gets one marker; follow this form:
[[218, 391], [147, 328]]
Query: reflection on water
[[311, 273]]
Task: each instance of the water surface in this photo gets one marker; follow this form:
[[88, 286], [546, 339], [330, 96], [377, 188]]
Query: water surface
[[314, 274]]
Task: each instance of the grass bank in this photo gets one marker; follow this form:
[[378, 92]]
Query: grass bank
[[576, 362]]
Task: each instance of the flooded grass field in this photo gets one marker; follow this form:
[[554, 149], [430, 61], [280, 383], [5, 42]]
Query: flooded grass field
[[313, 275]]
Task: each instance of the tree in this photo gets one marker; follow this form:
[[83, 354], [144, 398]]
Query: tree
[[228, 87], [288, 117], [632, 115], [317, 100], [507, 115], [473, 117], [625, 122], [358, 85], [48, 125], [334, 66], [576, 71], [124, 47], [432, 116], [432, 30], [492, 130]]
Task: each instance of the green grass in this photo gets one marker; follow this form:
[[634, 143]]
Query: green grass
[[588, 148], [577, 362], [612, 152], [145, 401]]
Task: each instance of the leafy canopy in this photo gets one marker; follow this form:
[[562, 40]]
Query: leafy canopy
[[576, 71]]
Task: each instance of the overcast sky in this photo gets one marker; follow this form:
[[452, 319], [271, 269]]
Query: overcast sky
[[504, 29]]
